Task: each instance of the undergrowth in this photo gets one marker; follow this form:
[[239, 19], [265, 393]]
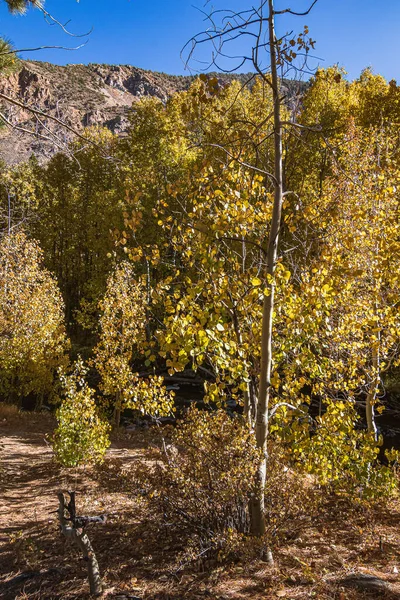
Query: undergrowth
[[202, 483]]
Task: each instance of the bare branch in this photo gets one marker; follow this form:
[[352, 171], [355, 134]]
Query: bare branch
[[240, 162], [41, 113], [296, 14], [315, 128], [30, 132], [11, 51], [49, 18], [277, 406]]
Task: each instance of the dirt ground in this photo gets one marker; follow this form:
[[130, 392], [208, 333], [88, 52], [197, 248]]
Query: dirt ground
[[138, 562]]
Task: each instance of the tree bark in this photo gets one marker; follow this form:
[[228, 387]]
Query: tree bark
[[371, 396], [117, 410], [262, 421]]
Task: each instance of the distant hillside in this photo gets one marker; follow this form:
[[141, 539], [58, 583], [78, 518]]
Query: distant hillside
[[81, 96]]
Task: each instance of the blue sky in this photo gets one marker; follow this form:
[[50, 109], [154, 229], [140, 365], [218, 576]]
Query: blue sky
[[151, 33]]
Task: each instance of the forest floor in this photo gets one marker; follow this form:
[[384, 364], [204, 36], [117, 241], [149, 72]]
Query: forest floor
[[137, 562]]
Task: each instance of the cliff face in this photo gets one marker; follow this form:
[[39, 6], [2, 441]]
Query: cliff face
[[79, 95]]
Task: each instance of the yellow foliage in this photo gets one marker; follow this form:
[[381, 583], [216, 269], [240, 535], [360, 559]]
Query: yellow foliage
[[123, 323], [33, 342]]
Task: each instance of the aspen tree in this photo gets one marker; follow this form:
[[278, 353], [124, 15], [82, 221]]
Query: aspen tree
[[258, 25]]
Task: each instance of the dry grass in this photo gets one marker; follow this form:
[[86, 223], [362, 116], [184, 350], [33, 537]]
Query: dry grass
[[9, 412]]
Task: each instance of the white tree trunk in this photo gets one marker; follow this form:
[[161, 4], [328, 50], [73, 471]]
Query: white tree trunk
[[262, 421], [373, 389]]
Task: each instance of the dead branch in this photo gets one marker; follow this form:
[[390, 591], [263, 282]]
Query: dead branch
[[41, 113], [18, 50], [238, 160], [72, 527], [53, 21]]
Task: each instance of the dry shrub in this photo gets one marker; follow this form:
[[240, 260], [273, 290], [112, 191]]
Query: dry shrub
[[9, 412], [202, 484], [205, 476]]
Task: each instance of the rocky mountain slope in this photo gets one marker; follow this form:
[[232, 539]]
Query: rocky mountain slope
[[79, 95]]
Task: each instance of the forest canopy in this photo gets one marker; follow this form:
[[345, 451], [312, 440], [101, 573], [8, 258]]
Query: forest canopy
[[174, 205]]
